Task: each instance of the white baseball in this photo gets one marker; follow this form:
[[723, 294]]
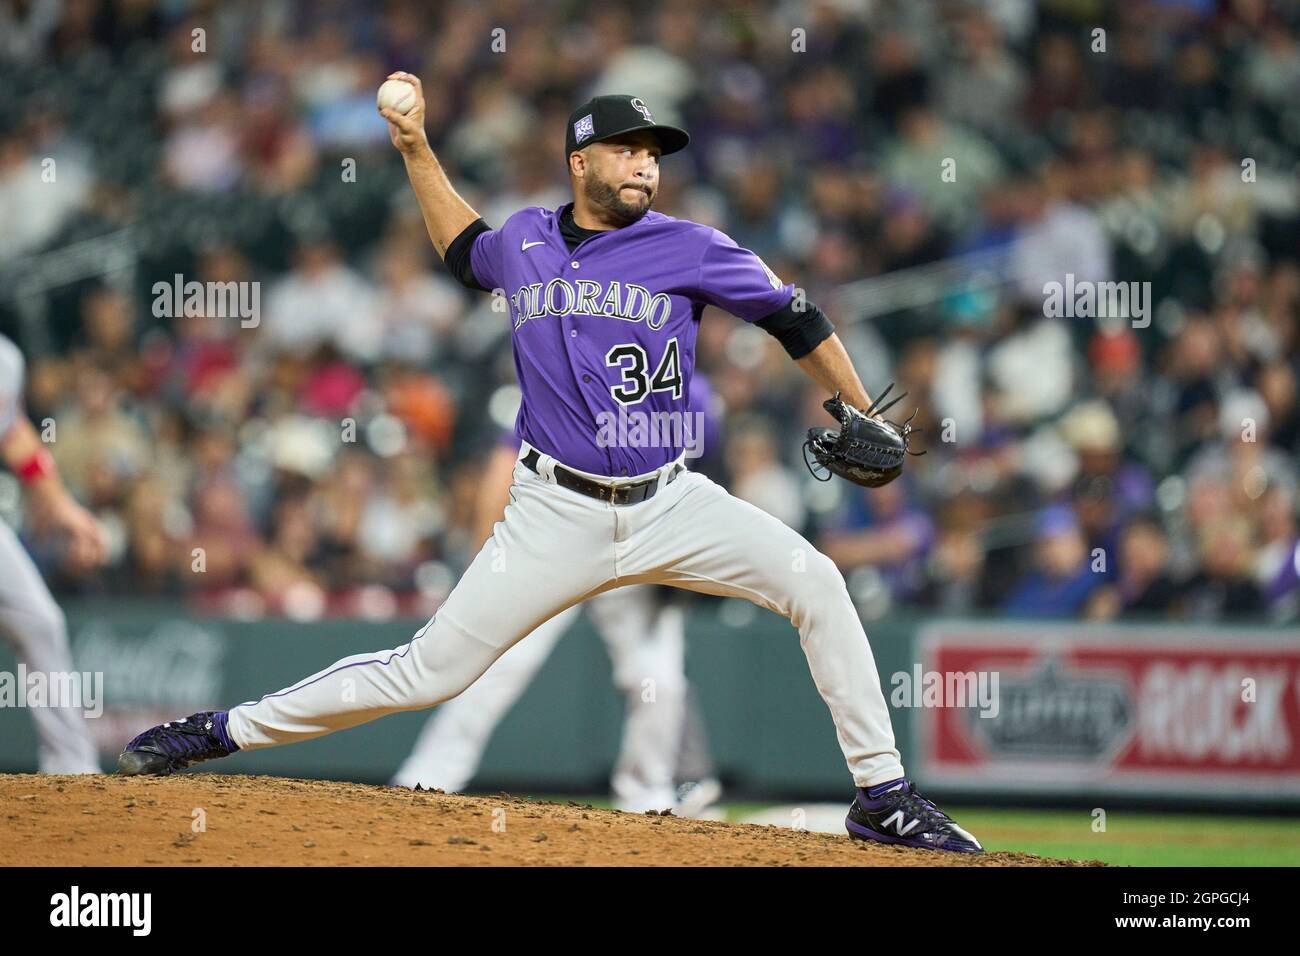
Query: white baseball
[[396, 95]]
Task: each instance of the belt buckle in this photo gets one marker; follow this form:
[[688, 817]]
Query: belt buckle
[[616, 494]]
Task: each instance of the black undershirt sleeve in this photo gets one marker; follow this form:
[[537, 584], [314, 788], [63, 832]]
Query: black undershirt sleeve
[[457, 258], [799, 332]]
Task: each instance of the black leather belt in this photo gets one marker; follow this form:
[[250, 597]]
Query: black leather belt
[[632, 494]]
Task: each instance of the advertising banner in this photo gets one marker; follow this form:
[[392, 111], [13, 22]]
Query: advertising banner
[[1069, 708]]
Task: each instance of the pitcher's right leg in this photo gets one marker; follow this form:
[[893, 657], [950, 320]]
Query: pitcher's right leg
[[512, 586]]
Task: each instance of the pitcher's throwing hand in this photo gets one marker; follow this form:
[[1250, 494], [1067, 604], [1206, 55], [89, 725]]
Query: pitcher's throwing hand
[[406, 130]]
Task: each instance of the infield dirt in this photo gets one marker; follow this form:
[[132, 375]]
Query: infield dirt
[[220, 820]]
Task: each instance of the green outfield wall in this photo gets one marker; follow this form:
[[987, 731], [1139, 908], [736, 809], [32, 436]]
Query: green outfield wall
[[1126, 710]]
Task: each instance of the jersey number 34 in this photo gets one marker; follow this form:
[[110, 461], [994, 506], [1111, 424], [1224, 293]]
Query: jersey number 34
[[631, 360]]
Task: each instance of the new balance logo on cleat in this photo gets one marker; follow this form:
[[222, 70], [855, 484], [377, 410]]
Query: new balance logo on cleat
[[901, 815], [897, 821]]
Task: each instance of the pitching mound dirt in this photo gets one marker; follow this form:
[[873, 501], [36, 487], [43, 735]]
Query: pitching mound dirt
[[219, 820]]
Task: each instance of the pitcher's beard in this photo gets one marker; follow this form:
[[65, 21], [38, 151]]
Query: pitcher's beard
[[605, 196]]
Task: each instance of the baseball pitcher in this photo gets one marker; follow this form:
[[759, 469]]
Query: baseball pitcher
[[605, 298]]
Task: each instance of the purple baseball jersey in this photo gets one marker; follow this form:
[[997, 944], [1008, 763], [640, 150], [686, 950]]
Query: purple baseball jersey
[[604, 336], [707, 424]]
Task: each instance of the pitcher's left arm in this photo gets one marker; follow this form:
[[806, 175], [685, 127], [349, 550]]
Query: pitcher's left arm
[[736, 279]]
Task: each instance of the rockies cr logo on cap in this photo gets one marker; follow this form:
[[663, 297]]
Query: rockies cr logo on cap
[[638, 104]]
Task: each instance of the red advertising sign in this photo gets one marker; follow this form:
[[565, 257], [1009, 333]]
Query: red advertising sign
[[1071, 708]]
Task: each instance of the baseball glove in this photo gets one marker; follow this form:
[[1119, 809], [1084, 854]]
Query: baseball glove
[[864, 450]]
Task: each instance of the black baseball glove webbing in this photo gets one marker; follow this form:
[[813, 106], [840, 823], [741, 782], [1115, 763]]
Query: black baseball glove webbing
[[864, 450]]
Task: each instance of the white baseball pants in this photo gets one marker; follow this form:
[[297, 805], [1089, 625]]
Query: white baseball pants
[[647, 648], [35, 626], [556, 548]]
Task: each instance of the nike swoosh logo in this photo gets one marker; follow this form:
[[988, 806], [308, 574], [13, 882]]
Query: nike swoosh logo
[[528, 245]]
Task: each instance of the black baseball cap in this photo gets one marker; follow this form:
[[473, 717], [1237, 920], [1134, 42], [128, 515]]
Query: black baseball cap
[[603, 117]]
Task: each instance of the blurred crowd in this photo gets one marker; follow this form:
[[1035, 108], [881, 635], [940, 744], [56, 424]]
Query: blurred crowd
[[326, 460]]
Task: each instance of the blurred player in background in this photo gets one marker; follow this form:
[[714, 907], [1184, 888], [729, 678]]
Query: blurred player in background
[[664, 758], [29, 617]]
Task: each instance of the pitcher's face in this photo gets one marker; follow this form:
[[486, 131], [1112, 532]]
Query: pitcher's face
[[621, 175]]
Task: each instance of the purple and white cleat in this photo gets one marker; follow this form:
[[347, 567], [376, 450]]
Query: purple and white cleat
[[173, 746], [894, 812]]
